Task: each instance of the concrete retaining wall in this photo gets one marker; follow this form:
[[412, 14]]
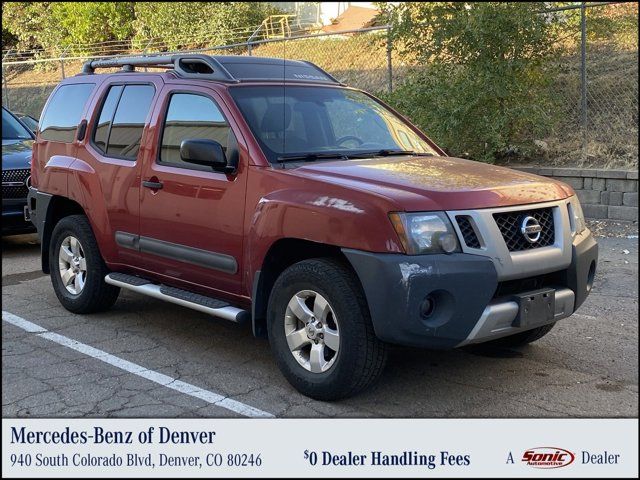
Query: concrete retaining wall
[[604, 194]]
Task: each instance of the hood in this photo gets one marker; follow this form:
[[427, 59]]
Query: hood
[[438, 183], [16, 154]]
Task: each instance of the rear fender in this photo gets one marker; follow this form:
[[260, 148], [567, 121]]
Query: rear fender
[[86, 189]]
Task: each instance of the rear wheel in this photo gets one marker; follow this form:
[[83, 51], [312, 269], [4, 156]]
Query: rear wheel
[[523, 338], [320, 330], [77, 269]]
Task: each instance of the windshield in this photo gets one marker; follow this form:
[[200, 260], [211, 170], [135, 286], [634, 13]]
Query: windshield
[[30, 122], [12, 128], [318, 121]]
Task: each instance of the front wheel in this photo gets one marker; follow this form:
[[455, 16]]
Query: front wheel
[[320, 330], [77, 268]]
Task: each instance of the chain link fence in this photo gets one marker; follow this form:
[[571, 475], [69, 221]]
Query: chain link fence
[[360, 58], [595, 80], [595, 88]]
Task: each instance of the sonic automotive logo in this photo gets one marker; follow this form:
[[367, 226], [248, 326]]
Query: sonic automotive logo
[[548, 457]]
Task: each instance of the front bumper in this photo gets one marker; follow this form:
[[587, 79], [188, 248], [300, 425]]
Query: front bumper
[[447, 301], [13, 220]]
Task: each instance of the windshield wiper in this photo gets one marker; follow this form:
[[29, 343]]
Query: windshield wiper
[[389, 153], [310, 157]]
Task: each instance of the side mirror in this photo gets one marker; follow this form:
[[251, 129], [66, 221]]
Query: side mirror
[[202, 151]]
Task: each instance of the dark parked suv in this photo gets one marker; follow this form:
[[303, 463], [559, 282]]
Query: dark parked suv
[[17, 140], [265, 191]]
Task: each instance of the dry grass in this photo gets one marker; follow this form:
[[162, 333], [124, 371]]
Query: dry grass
[[612, 112]]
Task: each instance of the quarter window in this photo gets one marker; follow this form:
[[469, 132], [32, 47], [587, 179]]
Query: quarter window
[[191, 116], [61, 119], [119, 129]]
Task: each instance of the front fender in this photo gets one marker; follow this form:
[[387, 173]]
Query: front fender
[[360, 222]]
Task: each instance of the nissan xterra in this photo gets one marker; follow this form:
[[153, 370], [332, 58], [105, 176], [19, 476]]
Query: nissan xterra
[[266, 191]]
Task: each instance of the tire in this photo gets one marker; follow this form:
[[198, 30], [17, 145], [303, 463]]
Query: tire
[[360, 356], [523, 338], [91, 294]]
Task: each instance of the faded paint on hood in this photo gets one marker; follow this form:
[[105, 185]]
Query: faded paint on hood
[[438, 183]]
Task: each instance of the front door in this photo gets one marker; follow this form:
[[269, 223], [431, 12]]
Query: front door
[[191, 217]]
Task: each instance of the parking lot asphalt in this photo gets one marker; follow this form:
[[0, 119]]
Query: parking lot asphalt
[[147, 358]]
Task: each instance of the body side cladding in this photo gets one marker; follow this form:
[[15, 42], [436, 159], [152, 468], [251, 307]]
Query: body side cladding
[[39, 219], [581, 272], [258, 306], [174, 251]]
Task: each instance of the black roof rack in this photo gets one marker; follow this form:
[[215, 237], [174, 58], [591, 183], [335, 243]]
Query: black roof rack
[[224, 68]]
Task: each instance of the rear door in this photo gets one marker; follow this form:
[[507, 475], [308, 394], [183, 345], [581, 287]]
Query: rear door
[[115, 144], [191, 223]]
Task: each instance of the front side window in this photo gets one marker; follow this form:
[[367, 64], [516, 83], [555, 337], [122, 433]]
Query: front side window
[[60, 120], [122, 118], [191, 116], [296, 120]]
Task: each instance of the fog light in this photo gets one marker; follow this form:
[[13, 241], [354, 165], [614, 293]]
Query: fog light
[[448, 242], [428, 306]]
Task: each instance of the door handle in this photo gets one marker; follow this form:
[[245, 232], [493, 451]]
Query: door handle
[[152, 185]]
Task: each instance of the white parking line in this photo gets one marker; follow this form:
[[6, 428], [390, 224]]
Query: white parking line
[[156, 377]]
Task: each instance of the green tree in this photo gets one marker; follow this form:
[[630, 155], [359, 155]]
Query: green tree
[[84, 23], [171, 25], [29, 23], [61, 25], [9, 40], [198, 24], [481, 88]]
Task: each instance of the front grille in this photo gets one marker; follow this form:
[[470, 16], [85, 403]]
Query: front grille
[[468, 233], [510, 224], [15, 176]]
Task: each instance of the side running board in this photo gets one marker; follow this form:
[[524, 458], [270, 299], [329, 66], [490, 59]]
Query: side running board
[[195, 301]]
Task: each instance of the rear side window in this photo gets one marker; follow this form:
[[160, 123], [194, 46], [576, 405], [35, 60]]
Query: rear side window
[[61, 119], [106, 115], [191, 116], [122, 118]]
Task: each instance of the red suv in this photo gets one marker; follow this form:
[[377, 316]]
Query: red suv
[[265, 191]]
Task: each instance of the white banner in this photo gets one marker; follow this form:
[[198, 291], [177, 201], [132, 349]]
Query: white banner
[[319, 448]]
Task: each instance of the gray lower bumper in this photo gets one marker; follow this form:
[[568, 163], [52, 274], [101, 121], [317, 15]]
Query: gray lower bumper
[[463, 291], [399, 289], [498, 318]]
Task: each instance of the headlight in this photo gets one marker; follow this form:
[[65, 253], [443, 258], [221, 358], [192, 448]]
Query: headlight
[[576, 217], [425, 232]]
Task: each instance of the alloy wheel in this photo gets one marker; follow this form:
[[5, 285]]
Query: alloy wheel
[[311, 330], [72, 265]]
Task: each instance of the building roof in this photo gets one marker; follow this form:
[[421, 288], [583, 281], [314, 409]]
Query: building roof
[[353, 18]]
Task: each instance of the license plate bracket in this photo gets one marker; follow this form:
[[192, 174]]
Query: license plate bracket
[[537, 307]]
